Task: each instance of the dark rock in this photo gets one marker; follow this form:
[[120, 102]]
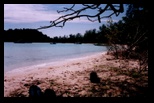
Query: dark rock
[[35, 91], [49, 93], [26, 85], [94, 78]]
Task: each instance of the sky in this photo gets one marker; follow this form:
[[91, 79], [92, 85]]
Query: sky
[[36, 15]]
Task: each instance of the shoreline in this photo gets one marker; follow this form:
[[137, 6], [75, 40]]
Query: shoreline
[[54, 63], [69, 78], [52, 66]]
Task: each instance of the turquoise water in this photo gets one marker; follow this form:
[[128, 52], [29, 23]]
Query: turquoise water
[[17, 55]]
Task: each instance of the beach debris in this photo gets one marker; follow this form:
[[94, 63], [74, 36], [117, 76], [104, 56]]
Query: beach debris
[[49, 93]]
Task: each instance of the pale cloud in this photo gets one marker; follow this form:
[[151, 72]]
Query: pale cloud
[[25, 13], [30, 13]]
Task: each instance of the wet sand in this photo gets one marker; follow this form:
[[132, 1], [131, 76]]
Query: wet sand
[[70, 78]]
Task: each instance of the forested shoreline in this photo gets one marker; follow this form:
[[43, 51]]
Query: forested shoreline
[[33, 35], [121, 72], [131, 30]]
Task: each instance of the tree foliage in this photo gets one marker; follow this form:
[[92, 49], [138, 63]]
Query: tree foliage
[[128, 38], [132, 32], [25, 35]]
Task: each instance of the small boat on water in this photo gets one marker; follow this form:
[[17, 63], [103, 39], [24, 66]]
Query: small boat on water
[[52, 42], [100, 44], [77, 43]]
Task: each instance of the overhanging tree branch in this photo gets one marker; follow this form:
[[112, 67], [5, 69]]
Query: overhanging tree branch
[[60, 22]]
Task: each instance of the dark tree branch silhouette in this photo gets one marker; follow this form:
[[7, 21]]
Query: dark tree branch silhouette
[[60, 22]]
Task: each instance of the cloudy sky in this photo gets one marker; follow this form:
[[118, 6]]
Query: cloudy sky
[[36, 15]]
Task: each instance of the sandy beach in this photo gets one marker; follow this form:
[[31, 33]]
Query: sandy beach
[[70, 78]]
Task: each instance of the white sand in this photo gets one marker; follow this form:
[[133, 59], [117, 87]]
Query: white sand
[[68, 75]]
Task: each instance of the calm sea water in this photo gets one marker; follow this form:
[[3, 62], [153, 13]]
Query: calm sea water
[[29, 54]]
